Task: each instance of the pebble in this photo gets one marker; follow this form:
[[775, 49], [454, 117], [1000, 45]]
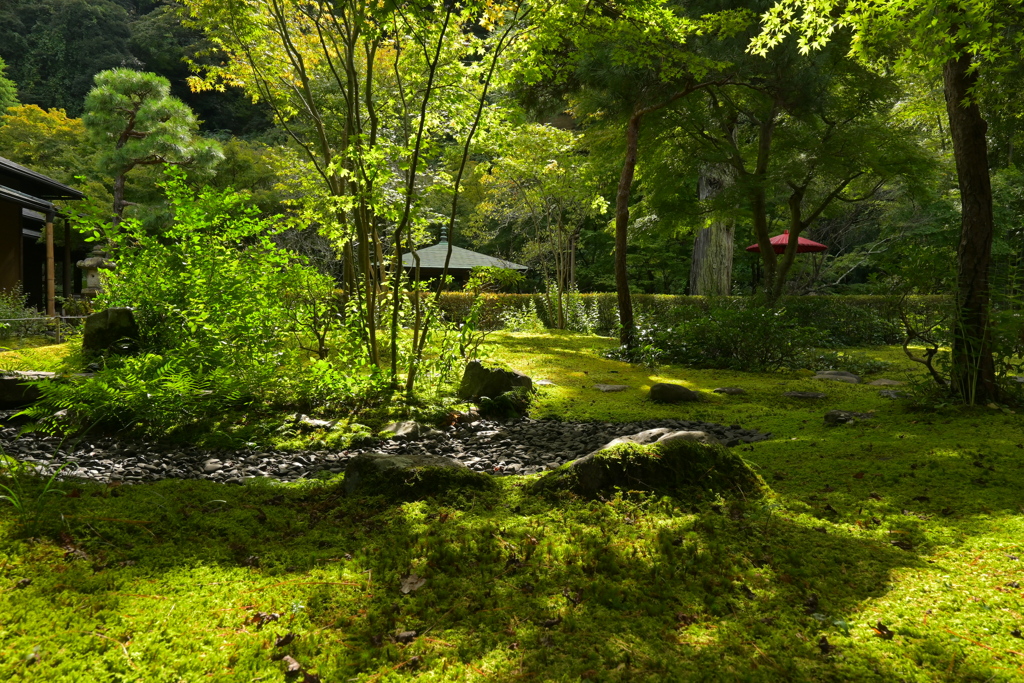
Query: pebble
[[524, 446]]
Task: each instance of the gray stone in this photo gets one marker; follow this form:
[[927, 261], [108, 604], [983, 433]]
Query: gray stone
[[14, 393], [699, 437], [307, 423], [892, 393], [610, 387], [838, 376], [113, 330], [545, 383], [479, 381], [886, 383], [642, 438], [409, 475], [405, 430], [730, 391], [834, 418], [672, 393], [1018, 378], [804, 394]]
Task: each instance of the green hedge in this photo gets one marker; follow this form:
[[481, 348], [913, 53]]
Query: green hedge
[[845, 320]]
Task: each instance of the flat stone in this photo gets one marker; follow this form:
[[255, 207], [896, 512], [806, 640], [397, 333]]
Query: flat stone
[[730, 391], [697, 436], [211, 466], [610, 387], [409, 429], [886, 383], [834, 418], [13, 391], [838, 376], [891, 393], [804, 394], [664, 392], [643, 438], [408, 475], [545, 383]]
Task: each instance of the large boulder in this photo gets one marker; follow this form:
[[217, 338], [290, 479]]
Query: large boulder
[[409, 476], [676, 467], [479, 381], [113, 330], [15, 393], [672, 393]]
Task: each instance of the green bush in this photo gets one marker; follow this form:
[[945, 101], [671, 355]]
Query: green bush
[[843, 320], [220, 326], [739, 338], [17, 318]]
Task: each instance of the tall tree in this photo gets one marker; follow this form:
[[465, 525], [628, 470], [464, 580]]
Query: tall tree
[[625, 61], [8, 90], [963, 40], [136, 122]]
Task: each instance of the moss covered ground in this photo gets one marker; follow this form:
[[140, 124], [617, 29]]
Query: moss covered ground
[[889, 550]]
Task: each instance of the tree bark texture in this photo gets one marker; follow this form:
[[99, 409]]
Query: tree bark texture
[[627, 328], [711, 265], [973, 371]]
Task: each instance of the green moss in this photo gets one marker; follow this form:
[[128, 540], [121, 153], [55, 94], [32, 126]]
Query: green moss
[[911, 519]]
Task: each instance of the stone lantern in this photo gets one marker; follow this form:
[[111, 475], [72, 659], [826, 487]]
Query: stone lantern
[[91, 266]]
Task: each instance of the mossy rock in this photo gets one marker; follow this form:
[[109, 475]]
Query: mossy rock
[[683, 469], [507, 406], [409, 477]]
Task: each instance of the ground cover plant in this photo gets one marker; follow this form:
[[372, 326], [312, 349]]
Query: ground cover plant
[[887, 550]]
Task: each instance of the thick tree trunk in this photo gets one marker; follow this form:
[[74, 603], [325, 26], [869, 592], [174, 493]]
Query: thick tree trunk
[[711, 265], [973, 371], [627, 331]]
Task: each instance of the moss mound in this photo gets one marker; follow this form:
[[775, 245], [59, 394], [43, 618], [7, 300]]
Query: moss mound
[[409, 477], [683, 469]]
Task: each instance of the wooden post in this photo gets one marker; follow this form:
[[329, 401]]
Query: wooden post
[[50, 293], [69, 283]]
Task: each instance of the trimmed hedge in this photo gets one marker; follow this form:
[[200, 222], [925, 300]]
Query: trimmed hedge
[[844, 320]]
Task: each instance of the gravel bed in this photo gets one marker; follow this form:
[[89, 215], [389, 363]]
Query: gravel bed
[[522, 447]]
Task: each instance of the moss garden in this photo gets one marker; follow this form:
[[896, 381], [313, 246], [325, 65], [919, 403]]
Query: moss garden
[[886, 550]]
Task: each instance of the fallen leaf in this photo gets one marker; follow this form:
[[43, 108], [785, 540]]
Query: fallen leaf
[[23, 583], [882, 631], [286, 639], [261, 618], [1016, 633], [874, 496], [549, 623], [411, 582], [292, 665], [858, 475], [824, 645], [414, 661]]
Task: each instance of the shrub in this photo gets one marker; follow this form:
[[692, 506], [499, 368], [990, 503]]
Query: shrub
[[739, 338], [221, 325], [16, 316]]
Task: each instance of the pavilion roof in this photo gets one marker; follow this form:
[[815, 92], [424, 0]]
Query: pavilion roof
[[462, 259]]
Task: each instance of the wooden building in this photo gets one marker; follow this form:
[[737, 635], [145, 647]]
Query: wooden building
[[27, 214]]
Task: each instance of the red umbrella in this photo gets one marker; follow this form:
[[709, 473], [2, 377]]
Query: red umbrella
[[779, 243]]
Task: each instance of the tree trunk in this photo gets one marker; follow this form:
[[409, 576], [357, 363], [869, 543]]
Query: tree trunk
[[627, 329], [973, 371], [711, 266]]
